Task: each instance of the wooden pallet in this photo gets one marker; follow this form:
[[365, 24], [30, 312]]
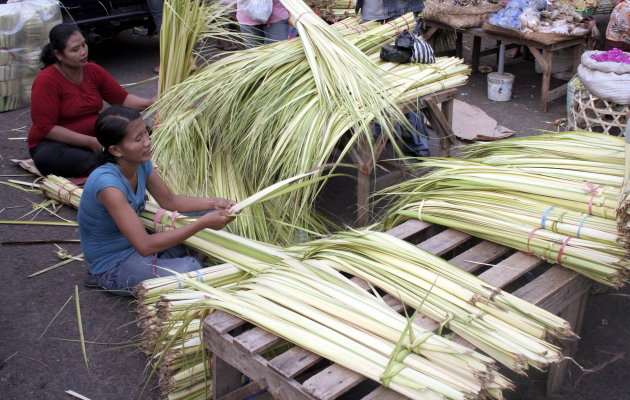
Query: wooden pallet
[[297, 373]]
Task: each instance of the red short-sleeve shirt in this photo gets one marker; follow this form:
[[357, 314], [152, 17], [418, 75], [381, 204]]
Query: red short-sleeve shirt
[[57, 101]]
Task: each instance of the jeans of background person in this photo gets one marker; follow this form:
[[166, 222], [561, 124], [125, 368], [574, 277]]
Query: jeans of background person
[[124, 276], [415, 142], [63, 159], [387, 9], [156, 8], [265, 33]]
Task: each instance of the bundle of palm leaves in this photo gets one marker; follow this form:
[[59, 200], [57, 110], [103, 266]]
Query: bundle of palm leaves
[[261, 115], [554, 196]]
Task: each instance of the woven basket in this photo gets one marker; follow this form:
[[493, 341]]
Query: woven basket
[[457, 16], [591, 113]]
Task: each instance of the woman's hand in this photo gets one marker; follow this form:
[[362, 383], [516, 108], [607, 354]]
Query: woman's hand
[[95, 145], [223, 204], [216, 220]]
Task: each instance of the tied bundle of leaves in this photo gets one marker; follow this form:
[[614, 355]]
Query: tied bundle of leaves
[[555, 196]]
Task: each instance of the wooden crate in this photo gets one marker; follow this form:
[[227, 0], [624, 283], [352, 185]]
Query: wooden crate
[[299, 374]]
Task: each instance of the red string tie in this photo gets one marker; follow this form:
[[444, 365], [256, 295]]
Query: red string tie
[[529, 238], [59, 196], [300, 16], [592, 189], [564, 244], [156, 223], [394, 28], [71, 192], [406, 22]]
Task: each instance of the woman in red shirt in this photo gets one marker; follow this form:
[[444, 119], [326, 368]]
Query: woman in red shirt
[[66, 99]]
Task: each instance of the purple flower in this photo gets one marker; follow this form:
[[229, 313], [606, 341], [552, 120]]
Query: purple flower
[[614, 55]]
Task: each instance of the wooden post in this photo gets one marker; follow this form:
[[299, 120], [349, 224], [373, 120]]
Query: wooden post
[[476, 53]]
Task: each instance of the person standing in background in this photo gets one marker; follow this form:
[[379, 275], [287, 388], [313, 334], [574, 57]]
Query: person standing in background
[[274, 30], [415, 141], [386, 10], [618, 31]]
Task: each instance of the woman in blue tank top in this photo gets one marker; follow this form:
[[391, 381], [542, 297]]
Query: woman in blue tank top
[[119, 251]]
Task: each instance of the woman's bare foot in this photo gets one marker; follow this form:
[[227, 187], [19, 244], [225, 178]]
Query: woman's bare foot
[[514, 53]]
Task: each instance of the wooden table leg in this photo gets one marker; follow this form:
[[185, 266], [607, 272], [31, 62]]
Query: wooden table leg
[[545, 61], [225, 378], [447, 110], [459, 46], [577, 57], [476, 53]]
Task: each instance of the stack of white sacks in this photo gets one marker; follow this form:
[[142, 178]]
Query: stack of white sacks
[[24, 28]]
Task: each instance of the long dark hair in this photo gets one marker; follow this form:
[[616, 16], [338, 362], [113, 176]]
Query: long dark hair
[[58, 38], [111, 128]]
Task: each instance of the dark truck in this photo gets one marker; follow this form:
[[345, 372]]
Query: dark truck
[[105, 18]]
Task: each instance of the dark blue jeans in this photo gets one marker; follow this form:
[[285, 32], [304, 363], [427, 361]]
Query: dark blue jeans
[[125, 275], [415, 141]]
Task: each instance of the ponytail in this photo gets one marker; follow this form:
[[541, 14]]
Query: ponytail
[[47, 57]]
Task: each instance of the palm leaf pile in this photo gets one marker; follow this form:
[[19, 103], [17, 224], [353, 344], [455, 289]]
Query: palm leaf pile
[[259, 116], [299, 293], [555, 196]]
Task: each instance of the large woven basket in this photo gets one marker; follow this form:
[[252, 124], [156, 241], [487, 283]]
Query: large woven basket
[[591, 113], [457, 16]]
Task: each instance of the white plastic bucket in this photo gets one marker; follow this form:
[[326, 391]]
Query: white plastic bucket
[[500, 86]]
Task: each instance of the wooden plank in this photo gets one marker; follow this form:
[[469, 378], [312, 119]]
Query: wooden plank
[[408, 228], [557, 92], [573, 314], [256, 340], [383, 393], [253, 366], [555, 289], [332, 382], [294, 361], [425, 322], [242, 392], [444, 241], [223, 322], [483, 252], [510, 269], [225, 378], [393, 303]]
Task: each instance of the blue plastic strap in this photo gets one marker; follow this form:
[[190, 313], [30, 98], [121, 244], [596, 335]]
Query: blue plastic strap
[[199, 275], [255, 394], [581, 223], [543, 221]]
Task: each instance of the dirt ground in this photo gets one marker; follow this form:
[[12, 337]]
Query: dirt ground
[[41, 357]]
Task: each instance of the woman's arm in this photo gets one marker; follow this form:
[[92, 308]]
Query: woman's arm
[[65, 135], [174, 202], [146, 244], [137, 103]]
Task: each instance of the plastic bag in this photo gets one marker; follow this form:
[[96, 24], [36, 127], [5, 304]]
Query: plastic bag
[[606, 85], [408, 48], [24, 28], [258, 10]]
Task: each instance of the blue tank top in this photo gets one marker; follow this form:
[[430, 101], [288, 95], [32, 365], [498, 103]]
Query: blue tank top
[[103, 244]]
